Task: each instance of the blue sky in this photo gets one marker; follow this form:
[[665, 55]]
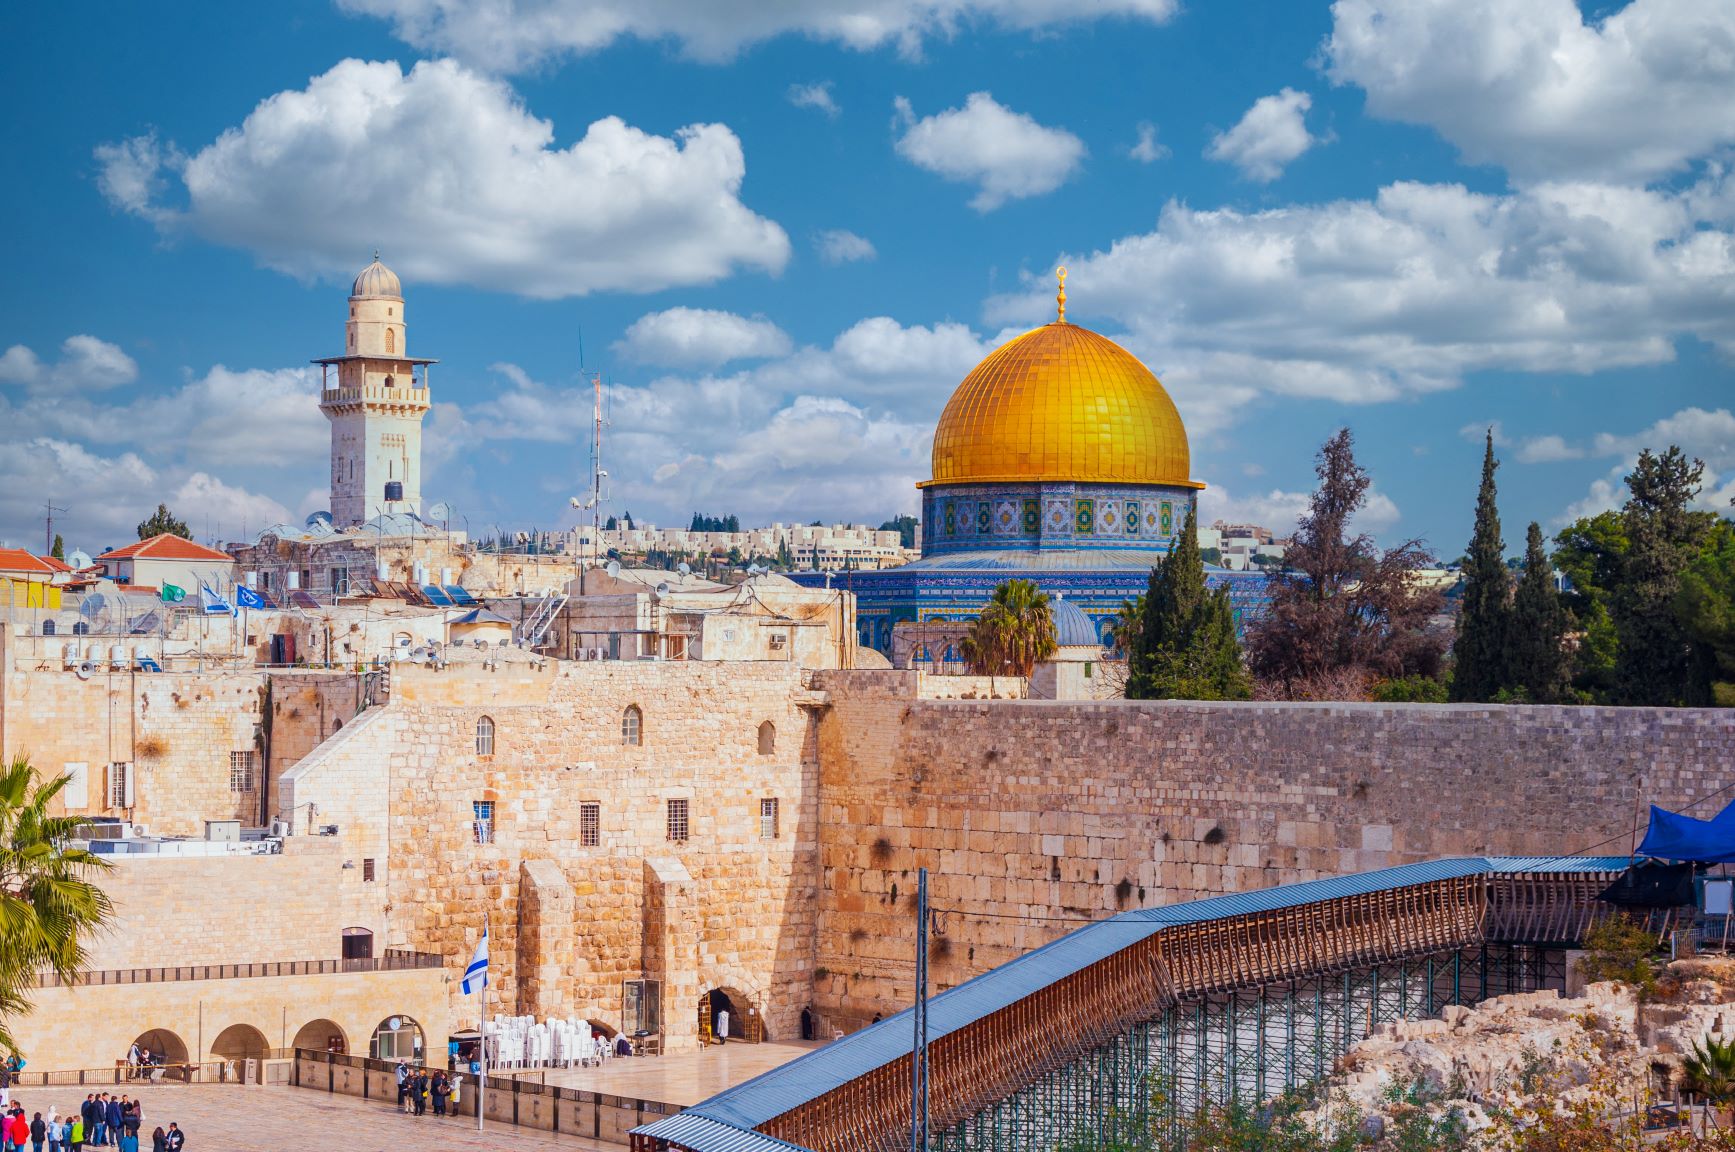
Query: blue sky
[[784, 231]]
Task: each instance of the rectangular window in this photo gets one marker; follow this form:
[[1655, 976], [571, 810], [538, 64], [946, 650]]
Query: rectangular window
[[482, 812], [768, 818], [589, 825], [120, 785], [76, 795], [242, 770], [678, 820], [367, 870]]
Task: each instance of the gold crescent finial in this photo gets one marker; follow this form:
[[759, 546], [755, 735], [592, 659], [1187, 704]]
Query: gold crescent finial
[[1060, 298]]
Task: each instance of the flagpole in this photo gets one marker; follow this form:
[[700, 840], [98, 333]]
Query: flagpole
[[482, 1042]]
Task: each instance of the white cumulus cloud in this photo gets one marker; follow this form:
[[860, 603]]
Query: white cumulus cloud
[[1006, 154], [1548, 449], [1145, 149], [700, 337], [841, 246], [1363, 301], [1271, 134], [509, 35], [816, 96], [447, 172], [1280, 511], [1701, 434], [86, 364], [1535, 87]]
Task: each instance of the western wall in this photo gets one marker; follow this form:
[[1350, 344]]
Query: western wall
[[1033, 816]]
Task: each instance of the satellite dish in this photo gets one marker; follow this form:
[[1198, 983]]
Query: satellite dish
[[614, 568], [684, 568], [79, 559], [318, 518], [95, 610], [663, 588], [440, 511]]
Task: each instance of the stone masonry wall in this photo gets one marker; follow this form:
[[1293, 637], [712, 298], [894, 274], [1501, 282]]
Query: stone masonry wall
[[1046, 814], [172, 911], [402, 782], [176, 729]]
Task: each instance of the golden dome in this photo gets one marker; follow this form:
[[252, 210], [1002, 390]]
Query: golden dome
[[1061, 403]]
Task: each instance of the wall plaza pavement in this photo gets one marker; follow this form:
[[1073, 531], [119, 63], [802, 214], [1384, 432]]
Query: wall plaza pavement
[[234, 1118]]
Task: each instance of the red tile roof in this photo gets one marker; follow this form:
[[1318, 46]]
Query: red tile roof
[[164, 547], [18, 560], [57, 565]]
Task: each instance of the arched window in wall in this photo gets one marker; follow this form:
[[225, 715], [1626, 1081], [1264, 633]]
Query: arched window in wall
[[391, 340], [632, 726], [484, 737], [767, 738]]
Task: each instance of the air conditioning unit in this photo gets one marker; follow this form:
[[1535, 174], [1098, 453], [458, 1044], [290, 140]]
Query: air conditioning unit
[[328, 829], [281, 828]]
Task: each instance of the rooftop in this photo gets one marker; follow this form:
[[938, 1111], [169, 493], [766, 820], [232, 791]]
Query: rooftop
[[165, 547]]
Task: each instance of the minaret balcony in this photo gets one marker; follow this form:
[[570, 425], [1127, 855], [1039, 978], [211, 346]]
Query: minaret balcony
[[377, 396]]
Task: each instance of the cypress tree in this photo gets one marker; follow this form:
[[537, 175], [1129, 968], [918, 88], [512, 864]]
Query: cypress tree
[[1484, 618], [59, 549], [1654, 663], [1185, 647], [1539, 661]]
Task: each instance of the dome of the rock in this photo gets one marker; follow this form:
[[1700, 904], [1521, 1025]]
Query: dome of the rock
[[1061, 403]]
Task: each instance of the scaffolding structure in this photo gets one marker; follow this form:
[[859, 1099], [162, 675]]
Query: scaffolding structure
[[1242, 1046]]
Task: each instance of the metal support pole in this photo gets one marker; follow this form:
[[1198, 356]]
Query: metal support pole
[[919, 1050]]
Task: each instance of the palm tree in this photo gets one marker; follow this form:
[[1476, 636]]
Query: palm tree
[[49, 907], [1014, 632], [1710, 1070]]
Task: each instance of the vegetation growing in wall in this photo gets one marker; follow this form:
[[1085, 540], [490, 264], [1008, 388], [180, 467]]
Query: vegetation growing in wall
[[50, 905], [1620, 948]]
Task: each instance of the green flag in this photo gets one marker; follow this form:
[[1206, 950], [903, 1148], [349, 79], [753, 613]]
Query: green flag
[[173, 595]]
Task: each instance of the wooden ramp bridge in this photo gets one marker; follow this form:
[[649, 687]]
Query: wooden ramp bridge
[[1234, 997]]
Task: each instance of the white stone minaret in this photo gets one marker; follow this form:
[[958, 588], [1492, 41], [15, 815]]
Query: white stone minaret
[[375, 400]]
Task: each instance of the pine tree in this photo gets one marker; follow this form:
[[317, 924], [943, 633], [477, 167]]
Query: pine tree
[[1485, 617], [59, 549], [161, 521], [1539, 663], [1654, 663], [1184, 646]]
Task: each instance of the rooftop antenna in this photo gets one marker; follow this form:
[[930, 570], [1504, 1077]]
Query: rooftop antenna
[[48, 527]]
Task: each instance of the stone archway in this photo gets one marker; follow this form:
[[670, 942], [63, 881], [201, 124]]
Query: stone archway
[[162, 1049], [746, 1017], [240, 1042], [322, 1036]]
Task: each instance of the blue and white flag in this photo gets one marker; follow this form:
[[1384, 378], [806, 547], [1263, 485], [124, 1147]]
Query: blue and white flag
[[213, 604], [247, 598], [476, 975]]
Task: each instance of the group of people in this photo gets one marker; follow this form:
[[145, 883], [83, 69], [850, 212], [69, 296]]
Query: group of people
[[101, 1121], [141, 1061], [417, 1089]]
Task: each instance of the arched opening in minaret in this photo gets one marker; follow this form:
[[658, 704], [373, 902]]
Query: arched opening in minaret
[[391, 381], [391, 340]]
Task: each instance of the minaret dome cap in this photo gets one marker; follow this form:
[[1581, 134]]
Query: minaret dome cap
[[377, 280]]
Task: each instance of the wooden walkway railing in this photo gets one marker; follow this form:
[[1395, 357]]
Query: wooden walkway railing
[[988, 1059]]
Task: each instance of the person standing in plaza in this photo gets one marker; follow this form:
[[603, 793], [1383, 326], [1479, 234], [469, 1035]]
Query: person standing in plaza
[[174, 1139], [403, 1075], [723, 1026], [438, 1089], [114, 1120], [159, 1141], [38, 1133], [92, 1111]]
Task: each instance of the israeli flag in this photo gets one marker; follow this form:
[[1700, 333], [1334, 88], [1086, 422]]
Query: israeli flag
[[476, 975], [213, 604], [247, 598]]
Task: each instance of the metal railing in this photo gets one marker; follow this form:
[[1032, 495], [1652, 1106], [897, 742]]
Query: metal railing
[[121, 1073], [393, 961]]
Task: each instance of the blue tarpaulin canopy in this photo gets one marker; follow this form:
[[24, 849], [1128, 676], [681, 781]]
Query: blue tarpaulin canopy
[[1673, 836]]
